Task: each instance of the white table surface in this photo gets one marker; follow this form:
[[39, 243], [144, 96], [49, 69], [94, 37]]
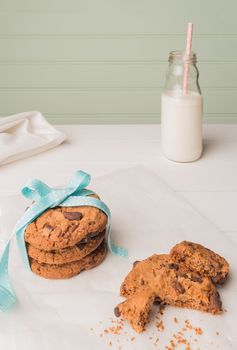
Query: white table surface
[[209, 184]]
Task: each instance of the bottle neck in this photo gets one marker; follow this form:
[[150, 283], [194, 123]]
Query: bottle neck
[[179, 57], [176, 69]]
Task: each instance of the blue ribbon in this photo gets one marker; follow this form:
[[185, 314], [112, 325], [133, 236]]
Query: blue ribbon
[[44, 197]]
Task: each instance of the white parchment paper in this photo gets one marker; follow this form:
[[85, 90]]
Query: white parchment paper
[[147, 217]]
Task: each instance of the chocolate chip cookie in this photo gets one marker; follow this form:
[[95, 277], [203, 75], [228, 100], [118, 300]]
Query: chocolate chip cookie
[[63, 227], [186, 278], [171, 285], [202, 260], [66, 255], [70, 269]]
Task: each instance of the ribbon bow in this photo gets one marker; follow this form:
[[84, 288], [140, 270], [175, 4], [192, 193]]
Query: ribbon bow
[[44, 197]]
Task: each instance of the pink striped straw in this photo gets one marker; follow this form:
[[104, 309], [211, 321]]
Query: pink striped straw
[[186, 58]]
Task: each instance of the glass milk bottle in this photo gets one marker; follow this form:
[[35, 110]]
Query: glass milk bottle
[[181, 111]]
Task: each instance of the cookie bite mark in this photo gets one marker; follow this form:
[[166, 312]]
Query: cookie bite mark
[[202, 260], [183, 278], [142, 274], [172, 286], [136, 309]]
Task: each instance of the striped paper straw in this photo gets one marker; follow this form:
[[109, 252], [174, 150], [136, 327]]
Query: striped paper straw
[[186, 58]]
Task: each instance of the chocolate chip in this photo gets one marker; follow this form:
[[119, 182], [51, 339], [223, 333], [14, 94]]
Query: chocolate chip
[[157, 301], [90, 236], [142, 282], [181, 259], [48, 227], [215, 301], [219, 278], [135, 263], [81, 246], [91, 222], [196, 279], [178, 287], [182, 274], [93, 235], [116, 311], [215, 279], [162, 307], [173, 266], [73, 215]]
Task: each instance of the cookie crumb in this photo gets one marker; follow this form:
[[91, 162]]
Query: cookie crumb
[[217, 333], [115, 329], [198, 331], [183, 337], [133, 338], [160, 326], [175, 320], [110, 343], [161, 309], [188, 325], [156, 342]]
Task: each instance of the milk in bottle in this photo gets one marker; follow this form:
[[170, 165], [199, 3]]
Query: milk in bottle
[[181, 113]]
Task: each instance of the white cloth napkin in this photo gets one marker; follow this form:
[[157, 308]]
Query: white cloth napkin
[[25, 134]]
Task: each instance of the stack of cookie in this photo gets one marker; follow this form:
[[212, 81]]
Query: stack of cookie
[[63, 241], [186, 277]]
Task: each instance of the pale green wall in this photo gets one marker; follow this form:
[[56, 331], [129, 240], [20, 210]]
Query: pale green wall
[[104, 61]]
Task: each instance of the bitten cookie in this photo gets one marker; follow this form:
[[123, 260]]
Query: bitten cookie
[[70, 269], [136, 309], [66, 255], [202, 260], [159, 274], [64, 227]]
